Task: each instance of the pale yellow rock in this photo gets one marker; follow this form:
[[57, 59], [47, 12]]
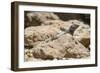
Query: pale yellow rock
[[36, 18], [57, 39], [63, 47], [42, 33]]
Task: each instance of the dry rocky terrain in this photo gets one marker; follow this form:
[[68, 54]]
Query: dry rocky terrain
[[47, 37]]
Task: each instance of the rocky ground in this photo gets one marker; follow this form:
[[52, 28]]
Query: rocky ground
[[48, 37]]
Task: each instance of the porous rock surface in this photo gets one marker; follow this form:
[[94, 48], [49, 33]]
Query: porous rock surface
[[55, 39], [36, 18]]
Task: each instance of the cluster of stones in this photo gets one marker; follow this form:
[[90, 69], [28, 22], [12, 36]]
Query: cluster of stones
[[47, 37]]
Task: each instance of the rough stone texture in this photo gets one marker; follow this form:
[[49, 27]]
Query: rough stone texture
[[41, 33], [48, 32], [28, 55], [49, 38], [36, 18], [60, 48]]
